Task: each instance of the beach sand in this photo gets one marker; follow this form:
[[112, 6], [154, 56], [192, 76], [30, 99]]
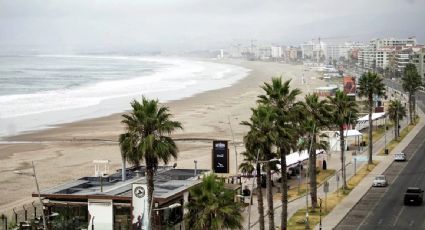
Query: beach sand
[[66, 152]]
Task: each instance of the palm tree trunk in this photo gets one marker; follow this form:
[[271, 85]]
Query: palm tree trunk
[[284, 189], [370, 147], [260, 198], [313, 175], [149, 179], [410, 109], [395, 129], [342, 146], [269, 189]]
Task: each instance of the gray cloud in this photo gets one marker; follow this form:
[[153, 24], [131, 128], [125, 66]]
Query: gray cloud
[[80, 25]]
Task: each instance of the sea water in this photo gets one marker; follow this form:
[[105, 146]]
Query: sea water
[[40, 91]]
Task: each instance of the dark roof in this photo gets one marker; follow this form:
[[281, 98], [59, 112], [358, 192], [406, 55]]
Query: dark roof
[[168, 182]]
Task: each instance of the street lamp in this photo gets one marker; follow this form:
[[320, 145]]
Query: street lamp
[[38, 190], [196, 169]]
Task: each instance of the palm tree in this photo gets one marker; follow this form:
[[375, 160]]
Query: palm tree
[[396, 111], [263, 134], [411, 81], [212, 207], [315, 117], [251, 158], [145, 138], [344, 112], [371, 85], [279, 95]]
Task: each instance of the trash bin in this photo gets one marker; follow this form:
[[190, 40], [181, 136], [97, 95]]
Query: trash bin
[[386, 151]]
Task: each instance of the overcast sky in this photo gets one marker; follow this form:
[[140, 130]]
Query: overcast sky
[[176, 25]]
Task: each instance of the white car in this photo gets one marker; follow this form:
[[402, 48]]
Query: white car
[[400, 157], [380, 181]]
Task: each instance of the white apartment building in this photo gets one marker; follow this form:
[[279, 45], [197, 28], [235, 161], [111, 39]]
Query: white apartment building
[[312, 50], [276, 51], [335, 51], [402, 59], [265, 53], [418, 59], [383, 56], [376, 53]]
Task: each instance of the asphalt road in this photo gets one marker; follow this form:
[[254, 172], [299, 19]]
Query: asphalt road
[[382, 208]]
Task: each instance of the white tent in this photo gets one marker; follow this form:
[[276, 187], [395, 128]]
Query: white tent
[[296, 157], [334, 141], [363, 122], [375, 116]]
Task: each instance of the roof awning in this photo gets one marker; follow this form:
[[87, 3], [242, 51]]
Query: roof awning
[[375, 116], [351, 133]]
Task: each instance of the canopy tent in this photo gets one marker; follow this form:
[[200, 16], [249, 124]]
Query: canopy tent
[[334, 140], [350, 133], [296, 157], [363, 121]]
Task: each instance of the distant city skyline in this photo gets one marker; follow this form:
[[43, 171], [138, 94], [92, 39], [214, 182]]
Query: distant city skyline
[[174, 26]]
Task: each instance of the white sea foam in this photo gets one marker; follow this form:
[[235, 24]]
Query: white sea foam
[[181, 78]]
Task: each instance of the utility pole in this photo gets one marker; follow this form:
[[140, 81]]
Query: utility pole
[[39, 196], [234, 145]]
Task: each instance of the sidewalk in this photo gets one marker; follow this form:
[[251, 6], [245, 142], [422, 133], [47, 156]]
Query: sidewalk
[[334, 162]]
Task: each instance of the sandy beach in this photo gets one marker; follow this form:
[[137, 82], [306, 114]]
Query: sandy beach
[[66, 152]]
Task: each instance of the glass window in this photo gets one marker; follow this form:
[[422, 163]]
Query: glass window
[[122, 217]]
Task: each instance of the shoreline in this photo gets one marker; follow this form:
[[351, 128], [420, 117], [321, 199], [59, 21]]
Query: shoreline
[[60, 154]]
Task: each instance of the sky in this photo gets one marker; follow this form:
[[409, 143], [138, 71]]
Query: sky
[[182, 25]]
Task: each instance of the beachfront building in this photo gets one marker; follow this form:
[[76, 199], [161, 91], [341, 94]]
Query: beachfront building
[[313, 51], [326, 91], [418, 59], [378, 53], [276, 52], [107, 202], [293, 54], [265, 53]]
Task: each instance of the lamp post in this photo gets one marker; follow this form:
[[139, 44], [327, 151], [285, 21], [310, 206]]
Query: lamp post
[[196, 168], [38, 191], [234, 145], [385, 135]]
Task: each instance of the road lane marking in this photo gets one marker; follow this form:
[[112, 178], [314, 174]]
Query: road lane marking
[[398, 216]]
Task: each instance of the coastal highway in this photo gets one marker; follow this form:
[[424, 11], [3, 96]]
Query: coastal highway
[[382, 208]]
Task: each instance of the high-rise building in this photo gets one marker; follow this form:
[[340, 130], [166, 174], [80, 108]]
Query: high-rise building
[[313, 51], [379, 52], [276, 51], [418, 59]]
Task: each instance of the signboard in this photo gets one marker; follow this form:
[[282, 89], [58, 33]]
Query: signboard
[[220, 157], [100, 214], [140, 207]]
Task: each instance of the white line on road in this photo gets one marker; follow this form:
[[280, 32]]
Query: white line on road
[[398, 216]]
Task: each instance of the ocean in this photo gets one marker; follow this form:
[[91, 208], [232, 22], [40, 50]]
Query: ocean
[[41, 91]]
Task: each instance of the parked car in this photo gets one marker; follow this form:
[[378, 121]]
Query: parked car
[[413, 195], [380, 181], [399, 157]]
